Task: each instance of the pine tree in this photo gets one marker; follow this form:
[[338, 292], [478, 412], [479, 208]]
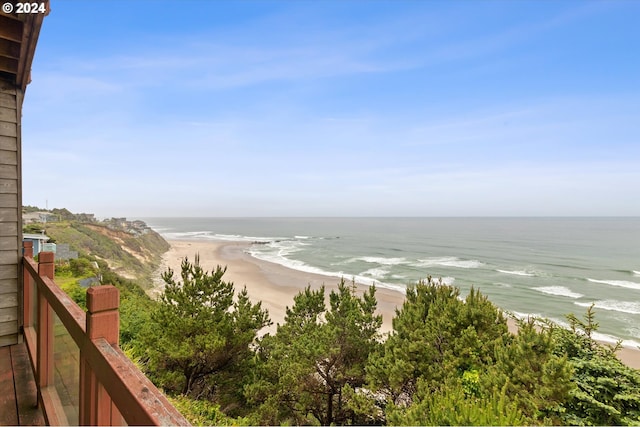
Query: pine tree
[[200, 335], [315, 363], [606, 392], [435, 336], [535, 377]]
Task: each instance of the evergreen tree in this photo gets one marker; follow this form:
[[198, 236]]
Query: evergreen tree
[[313, 366], [454, 404], [199, 336], [535, 377], [436, 336], [607, 392]]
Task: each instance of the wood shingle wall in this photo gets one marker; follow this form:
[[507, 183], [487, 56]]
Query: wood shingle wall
[[10, 211], [18, 38]]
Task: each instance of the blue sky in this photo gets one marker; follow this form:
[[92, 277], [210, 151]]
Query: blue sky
[[335, 108]]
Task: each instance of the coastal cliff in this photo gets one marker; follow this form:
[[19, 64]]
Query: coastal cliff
[[130, 248]]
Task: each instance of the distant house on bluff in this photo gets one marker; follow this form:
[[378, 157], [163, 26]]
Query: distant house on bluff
[[35, 217], [18, 37]]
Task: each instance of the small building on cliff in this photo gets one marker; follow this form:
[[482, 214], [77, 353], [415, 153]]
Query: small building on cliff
[[38, 241]]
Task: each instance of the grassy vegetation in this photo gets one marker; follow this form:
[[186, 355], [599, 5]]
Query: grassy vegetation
[[68, 275], [134, 257], [135, 304], [202, 412], [123, 259]]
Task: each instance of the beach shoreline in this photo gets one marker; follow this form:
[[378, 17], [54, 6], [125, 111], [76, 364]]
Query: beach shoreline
[[272, 284], [276, 285]]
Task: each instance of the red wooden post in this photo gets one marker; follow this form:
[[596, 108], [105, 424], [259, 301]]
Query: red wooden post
[[45, 325], [27, 298], [103, 317], [103, 321]]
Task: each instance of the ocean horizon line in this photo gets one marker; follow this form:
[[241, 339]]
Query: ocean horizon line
[[390, 216]]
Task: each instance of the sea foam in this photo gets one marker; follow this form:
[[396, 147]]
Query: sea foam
[[447, 280], [186, 235], [376, 273], [277, 251], [613, 305], [619, 283], [598, 336], [358, 278], [382, 260], [517, 272], [612, 340], [448, 262], [207, 235], [285, 248], [524, 316], [559, 291]]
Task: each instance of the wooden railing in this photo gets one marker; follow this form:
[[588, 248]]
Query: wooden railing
[[112, 390]]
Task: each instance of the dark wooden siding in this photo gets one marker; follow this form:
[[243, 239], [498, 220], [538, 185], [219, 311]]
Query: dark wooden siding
[[10, 208]]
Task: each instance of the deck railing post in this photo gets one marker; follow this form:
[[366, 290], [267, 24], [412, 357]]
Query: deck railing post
[[44, 371], [103, 321], [27, 298]]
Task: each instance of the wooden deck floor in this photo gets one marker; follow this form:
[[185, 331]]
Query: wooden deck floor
[[18, 398]]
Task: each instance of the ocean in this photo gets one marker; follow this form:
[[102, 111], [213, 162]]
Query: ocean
[[547, 267]]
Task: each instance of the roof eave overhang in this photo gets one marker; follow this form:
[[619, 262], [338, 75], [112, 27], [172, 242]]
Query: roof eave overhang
[[18, 39]]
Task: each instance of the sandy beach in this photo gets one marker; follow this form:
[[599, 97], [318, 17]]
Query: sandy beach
[[276, 285], [273, 284]]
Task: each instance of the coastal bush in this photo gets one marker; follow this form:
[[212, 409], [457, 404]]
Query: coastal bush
[[33, 228], [80, 267], [68, 275], [606, 392], [135, 315], [204, 413], [453, 405], [76, 292]]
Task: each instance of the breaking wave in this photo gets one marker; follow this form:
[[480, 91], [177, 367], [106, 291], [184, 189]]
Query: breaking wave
[[559, 291], [619, 283], [517, 272], [454, 262], [382, 260], [376, 273], [613, 305]]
